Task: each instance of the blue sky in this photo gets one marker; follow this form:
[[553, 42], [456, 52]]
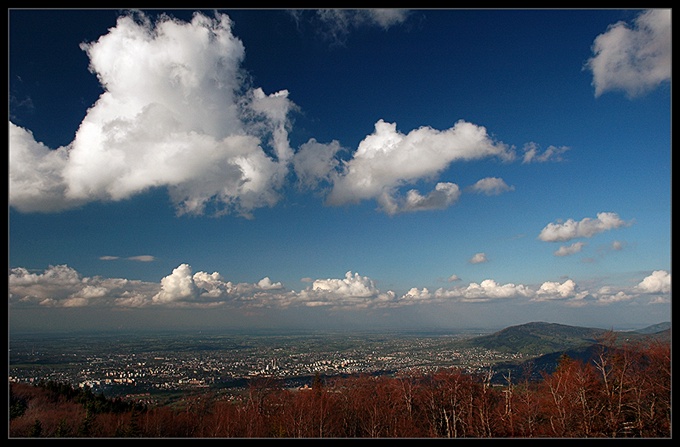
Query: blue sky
[[330, 169]]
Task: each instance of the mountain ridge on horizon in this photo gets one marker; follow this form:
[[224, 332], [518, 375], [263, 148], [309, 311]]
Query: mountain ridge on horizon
[[546, 343], [539, 337]]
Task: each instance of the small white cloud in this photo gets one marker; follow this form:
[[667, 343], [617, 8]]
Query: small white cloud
[[587, 227], [453, 278], [491, 186], [633, 58], [570, 249], [338, 23], [109, 258], [617, 245], [414, 295], [532, 153], [555, 290], [478, 258], [267, 284], [387, 17], [441, 197], [142, 258], [607, 296]]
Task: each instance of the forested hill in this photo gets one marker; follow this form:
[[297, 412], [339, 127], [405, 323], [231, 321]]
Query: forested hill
[[542, 338]]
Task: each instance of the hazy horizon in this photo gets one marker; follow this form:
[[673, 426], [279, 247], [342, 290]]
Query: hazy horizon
[[338, 169]]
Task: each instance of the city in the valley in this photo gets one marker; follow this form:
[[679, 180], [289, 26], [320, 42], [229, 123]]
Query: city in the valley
[[153, 367]]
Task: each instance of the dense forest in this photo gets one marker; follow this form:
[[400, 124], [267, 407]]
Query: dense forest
[[623, 391]]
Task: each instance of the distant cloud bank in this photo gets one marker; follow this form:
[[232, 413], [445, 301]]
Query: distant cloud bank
[[62, 286]]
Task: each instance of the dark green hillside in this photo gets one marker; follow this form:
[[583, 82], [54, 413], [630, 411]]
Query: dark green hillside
[[535, 368], [538, 338]]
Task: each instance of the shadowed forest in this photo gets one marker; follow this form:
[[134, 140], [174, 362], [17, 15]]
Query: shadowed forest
[[623, 391]]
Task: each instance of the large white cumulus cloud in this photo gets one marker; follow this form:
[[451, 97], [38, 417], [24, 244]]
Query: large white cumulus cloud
[[178, 286], [633, 58], [35, 173], [555, 290], [442, 196], [388, 159], [175, 113], [658, 282], [185, 288]]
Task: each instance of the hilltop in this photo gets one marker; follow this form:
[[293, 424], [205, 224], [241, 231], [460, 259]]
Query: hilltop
[[538, 338], [547, 343]]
